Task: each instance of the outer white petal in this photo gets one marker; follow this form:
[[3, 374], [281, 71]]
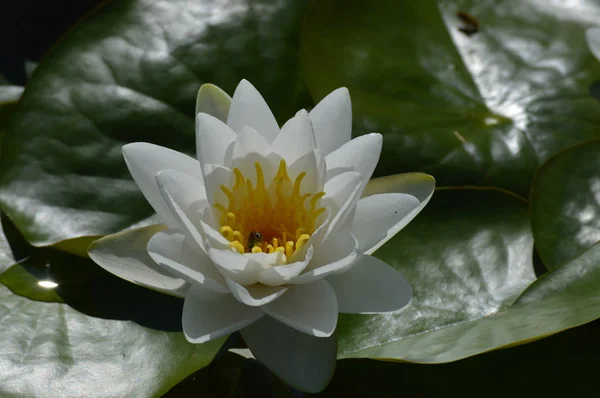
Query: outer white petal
[[249, 141], [370, 286], [592, 35], [170, 250], [214, 101], [336, 254], [281, 274], [306, 363], [361, 155], [144, 160], [295, 139], [214, 140], [332, 120], [248, 108], [310, 308], [124, 255], [185, 198], [208, 316], [341, 194], [255, 295], [419, 185], [378, 218]]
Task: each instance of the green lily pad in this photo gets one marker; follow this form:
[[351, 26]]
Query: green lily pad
[[49, 349], [482, 109], [131, 72], [9, 97], [23, 283], [565, 204], [523, 371], [6, 255], [468, 258]]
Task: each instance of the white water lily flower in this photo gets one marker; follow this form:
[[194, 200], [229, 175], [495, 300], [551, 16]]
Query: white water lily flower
[[266, 232]]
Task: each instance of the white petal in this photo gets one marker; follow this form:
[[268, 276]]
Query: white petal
[[379, 217], [306, 363], [170, 250], [249, 141], [214, 140], [255, 295], [370, 286], [313, 164], [269, 163], [145, 161], [124, 255], [592, 36], [235, 266], [419, 185], [336, 254], [361, 155], [213, 238], [310, 309], [185, 198], [208, 316], [332, 120], [248, 108], [281, 274], [214, 101], [341, 194], [316, 239], [295, 139], [215, 176]]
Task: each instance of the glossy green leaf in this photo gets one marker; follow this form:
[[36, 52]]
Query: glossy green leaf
[[49, 349], [9, 96], [485, 109], [561, 365], [131, 72], [22, 283], [6, 256], [468, 257], [565, 203]]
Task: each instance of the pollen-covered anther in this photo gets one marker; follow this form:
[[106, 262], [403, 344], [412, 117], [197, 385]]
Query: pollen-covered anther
[[269, 217]]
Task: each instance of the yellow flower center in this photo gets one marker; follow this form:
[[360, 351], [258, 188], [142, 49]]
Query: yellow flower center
[[276, 217]]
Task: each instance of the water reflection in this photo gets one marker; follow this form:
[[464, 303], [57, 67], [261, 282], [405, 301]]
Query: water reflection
[[48, 284]]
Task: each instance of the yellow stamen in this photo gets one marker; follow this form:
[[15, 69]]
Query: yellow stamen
[[237, 246], [277, 211], [227, 232], [302, 241], [237, 235], [289, 248]]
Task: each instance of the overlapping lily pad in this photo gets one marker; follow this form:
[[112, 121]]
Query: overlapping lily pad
[[570, 357], [485, 109], [565, 204], [131, 72], [49, 349], [468, 257]]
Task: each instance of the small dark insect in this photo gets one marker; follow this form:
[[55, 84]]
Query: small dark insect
[[254, 238], [470, 23]]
